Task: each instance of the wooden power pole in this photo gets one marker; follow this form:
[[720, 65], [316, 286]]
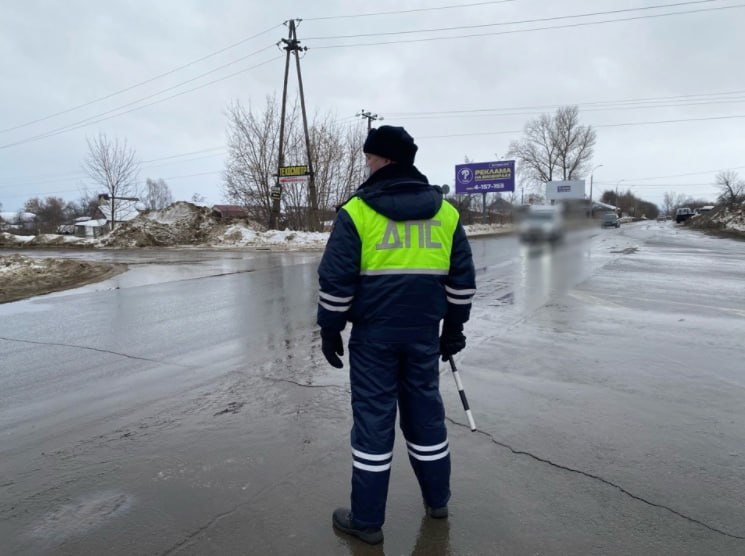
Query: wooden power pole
[[369, 116], [292, 47]]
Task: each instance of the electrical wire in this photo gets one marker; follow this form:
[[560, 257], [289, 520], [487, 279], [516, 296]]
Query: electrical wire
[[145, 164], [534, 29], [415, 10], [609, 103], [584, 110], [506, 23], [624, 124], [88, 121], [141, 83]]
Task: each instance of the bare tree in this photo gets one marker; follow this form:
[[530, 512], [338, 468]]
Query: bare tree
[[111, 165], [668, 203], [731, 187], [253, 154], [157, 194], [554, 147], [197, 198], [50, 212]]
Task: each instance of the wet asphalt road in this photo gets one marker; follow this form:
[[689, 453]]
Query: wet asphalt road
[[184, 407]]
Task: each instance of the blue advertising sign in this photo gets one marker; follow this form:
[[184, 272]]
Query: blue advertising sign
[[485, 177]]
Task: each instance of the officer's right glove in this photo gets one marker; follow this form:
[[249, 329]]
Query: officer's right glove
[[332, 346], [452, 340]]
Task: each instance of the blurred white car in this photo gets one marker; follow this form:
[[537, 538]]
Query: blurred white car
[[542, 223]]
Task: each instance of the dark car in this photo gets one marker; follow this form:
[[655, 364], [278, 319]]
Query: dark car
[[683, 214], [610, 220]]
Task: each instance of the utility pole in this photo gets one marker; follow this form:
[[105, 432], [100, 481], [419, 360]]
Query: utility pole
[[592, 173], [370, 117], [112, 204], [292, 46]]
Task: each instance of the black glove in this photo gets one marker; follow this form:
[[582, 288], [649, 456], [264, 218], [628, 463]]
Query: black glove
[[452, 340], [332, 346]]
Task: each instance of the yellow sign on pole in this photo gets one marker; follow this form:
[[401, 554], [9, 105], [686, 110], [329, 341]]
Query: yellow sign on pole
[[292, 171]]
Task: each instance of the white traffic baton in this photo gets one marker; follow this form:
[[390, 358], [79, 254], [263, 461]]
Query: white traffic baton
[[462, 393]]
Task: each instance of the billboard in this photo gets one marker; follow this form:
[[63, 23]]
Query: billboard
[[565, 190], [485, 177]]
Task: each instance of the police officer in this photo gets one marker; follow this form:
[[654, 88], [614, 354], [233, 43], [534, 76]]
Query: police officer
[[396, 264]]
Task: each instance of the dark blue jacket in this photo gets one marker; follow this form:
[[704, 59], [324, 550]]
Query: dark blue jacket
[[398, 308]]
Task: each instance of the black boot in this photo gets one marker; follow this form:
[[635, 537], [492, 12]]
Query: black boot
[[437, 513], [342, 520]]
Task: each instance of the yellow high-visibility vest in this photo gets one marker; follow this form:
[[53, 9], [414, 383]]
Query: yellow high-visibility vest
[[405, 247]]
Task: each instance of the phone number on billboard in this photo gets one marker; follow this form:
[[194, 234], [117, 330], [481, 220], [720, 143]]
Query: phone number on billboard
[[487, 186]]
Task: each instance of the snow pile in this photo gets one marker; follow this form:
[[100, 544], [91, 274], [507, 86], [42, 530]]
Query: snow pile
[[184, 223], [180, 224], [728, 219], [175, 213], [51, 240], [12, 264], [24, 277]]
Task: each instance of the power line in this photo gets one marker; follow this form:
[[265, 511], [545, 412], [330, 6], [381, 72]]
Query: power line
[[599, 109], [89, 121], [145, 164], [679, 175], [518, 22], [416, 10], [54, 131], [49, 193], [609, 103], [516, 31], [706, 118], [141, 83], [625, 124]]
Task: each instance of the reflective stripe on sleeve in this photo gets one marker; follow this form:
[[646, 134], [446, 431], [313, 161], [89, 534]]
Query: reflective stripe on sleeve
[[330, 297], [459, 292], [334, 308]]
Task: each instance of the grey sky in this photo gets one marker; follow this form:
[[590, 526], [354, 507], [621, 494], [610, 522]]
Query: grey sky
[[57, 55]]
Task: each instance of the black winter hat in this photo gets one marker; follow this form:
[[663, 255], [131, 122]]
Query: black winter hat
[[391, 142]]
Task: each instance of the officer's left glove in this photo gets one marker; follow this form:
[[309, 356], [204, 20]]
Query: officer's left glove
[[452, 340], [332, 347]]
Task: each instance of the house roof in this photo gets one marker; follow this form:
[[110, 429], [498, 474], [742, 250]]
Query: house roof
[[92, 223], [229, 211], [125, 210], [13, 217]]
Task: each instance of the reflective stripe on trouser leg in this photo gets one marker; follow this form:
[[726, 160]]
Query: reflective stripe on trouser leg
[[423, 421], [373, 369]]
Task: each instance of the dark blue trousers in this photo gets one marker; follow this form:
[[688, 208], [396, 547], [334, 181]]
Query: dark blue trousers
[[382, 376]]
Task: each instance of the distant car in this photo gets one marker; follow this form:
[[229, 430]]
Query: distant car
[[661, 218], [541, 223], [610, 220], [683, 214]]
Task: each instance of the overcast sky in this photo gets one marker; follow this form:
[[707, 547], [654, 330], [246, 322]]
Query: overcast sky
[[60, 55]]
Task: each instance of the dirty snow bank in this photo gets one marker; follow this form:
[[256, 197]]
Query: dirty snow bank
[[186, 224], [44, 240], [727, 219], [22, 277]]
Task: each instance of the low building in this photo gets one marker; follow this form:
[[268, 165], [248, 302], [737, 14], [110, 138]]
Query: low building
[[229, 212], [17, 221], [92, 228]]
